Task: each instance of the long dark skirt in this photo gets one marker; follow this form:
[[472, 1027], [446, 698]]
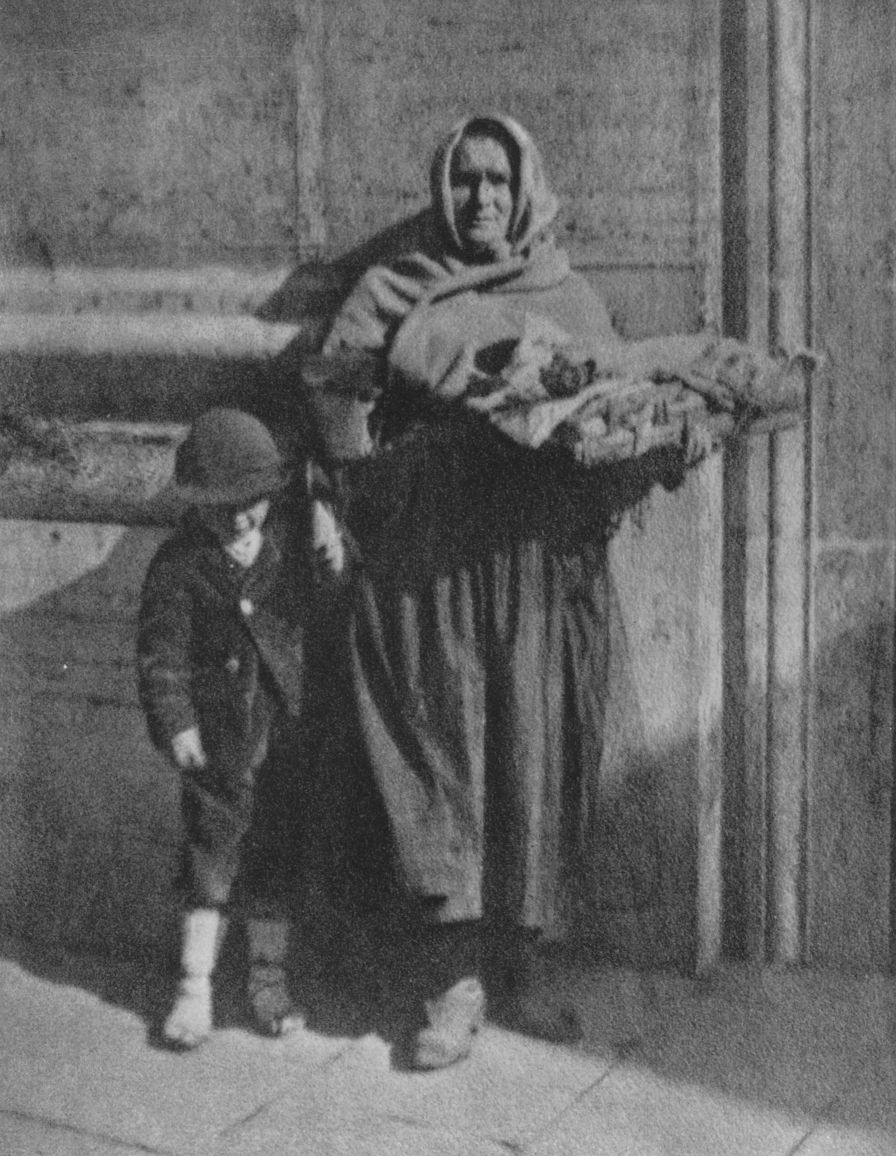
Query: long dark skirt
[[478, 652]]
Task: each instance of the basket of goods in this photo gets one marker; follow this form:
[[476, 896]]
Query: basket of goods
[[614, 402]]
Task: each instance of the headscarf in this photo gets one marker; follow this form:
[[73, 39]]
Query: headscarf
[[389, 292], [535, 206]]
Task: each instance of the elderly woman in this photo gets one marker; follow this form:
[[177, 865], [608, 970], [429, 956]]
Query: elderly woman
[[480, 626]]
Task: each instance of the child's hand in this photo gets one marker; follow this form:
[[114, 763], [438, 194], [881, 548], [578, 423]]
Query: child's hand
[[326, 539], [187, 750]]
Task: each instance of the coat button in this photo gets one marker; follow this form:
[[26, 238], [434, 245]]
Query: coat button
[[247, 607]]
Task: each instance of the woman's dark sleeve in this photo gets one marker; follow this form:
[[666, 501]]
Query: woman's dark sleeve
[[629, 482], [595, 498]]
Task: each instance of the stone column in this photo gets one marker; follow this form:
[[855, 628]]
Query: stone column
[[809, 222], [767, 300]]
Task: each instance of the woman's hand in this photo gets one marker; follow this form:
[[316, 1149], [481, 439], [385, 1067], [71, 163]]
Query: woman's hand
[[698, 444], [326, 539], [187, 750]]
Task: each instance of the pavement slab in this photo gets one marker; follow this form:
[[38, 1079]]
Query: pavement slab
[[636, 1113], [842, 1142], [20, 1136], [70, 1058], [752, 1062], [785, 1039], [862, 1120], [510, 1090], [372, 1138]]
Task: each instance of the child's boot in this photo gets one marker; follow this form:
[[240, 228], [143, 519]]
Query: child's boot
[[273, 1010], [190, 1020]]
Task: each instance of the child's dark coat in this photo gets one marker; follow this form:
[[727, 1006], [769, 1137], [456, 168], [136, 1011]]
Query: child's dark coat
[[224, 648]]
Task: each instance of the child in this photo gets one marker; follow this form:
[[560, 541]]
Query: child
[[222, 629]]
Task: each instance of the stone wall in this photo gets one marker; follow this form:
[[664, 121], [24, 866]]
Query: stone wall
[[852, 469], [255, 131], [172, 178], [148, 135], [168, 175]]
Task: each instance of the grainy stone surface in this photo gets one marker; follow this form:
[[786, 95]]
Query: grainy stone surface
[[855, 406], [750, 1061], [849, 862], [140, 135], [178, 143], [619, 139], [850, 820]]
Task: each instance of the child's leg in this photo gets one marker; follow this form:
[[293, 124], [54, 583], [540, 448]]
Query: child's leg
[[214, 825], [190, 1019], [268, 985], [270, 873]]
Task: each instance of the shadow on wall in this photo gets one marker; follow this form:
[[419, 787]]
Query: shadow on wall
[[125, 386], [89, 811], [309, 298], [314, 291], [131, 357]]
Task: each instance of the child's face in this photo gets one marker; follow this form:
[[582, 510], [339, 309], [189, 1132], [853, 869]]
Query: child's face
[[230, 523]]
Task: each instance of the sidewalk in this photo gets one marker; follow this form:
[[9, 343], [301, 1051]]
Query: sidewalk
[[769, 1063]]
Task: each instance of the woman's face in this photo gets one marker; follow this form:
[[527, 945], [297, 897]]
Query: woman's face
[[482, 194]]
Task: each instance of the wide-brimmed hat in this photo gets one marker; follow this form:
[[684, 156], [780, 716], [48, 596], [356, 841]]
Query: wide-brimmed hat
[[228, 459]]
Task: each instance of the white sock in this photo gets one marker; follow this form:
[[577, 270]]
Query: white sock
[[190, 1020], [199, 952]]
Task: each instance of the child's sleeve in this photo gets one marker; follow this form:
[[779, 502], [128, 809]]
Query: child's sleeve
[[163, 652]]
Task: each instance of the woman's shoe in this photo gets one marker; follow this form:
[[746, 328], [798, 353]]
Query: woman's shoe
[[530, 1002], [526, 1013], [452, 1023]]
